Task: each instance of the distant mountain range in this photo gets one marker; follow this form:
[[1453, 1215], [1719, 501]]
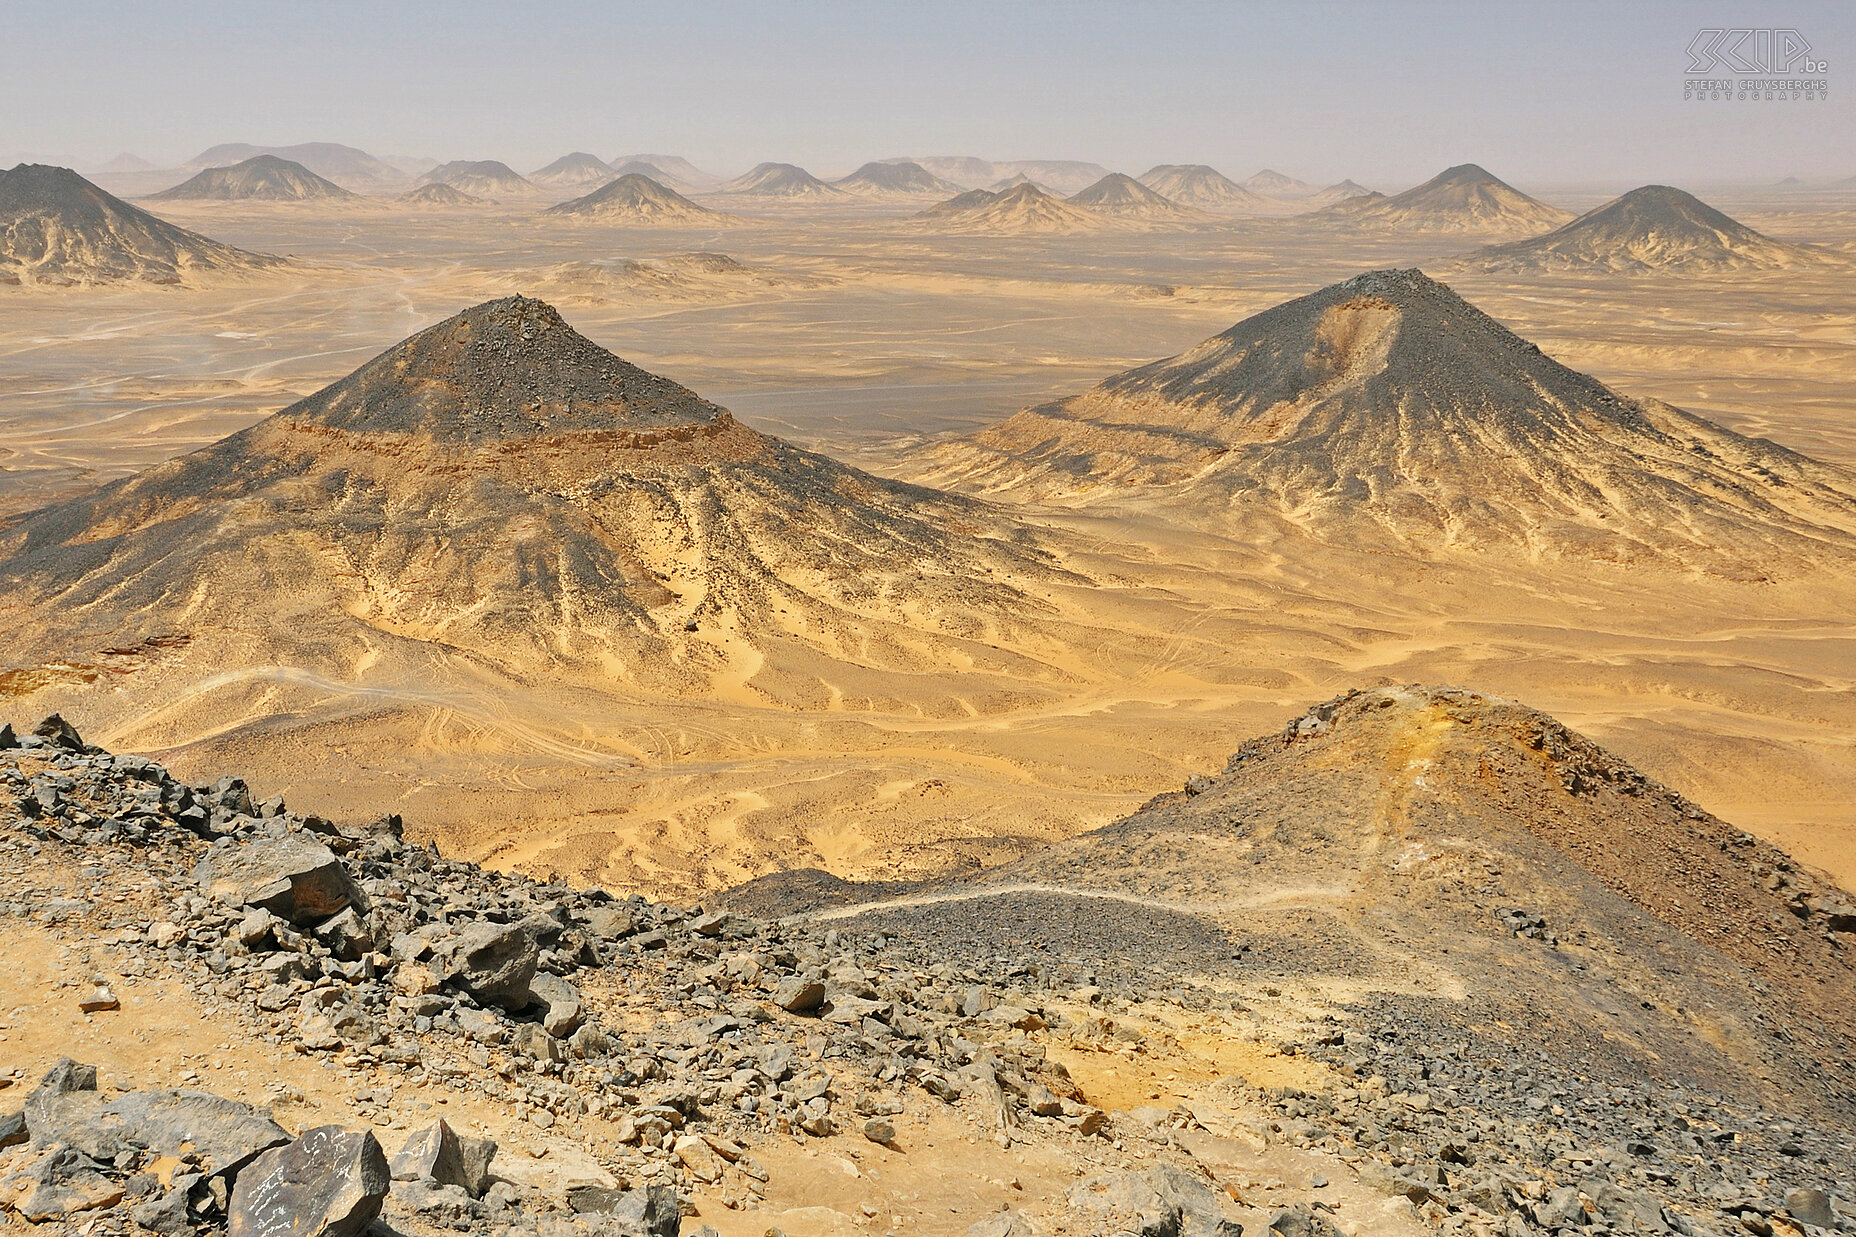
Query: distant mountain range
[[1062, 175]]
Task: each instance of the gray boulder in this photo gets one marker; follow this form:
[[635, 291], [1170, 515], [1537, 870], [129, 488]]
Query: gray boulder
[[1197, 1203], [328, 1183], [561, 1001], [58, 1182], [292, 877], [438, 1153], [493, 962], [1124, 1202], [57, 731], [799, 996], [1300, 1221], [224, 1134], [347, 935], [1811, 1206], [165, 1213], [650, 1212], [474, 1156]]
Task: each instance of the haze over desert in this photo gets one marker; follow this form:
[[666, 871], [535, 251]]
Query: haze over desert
[[795, 687]]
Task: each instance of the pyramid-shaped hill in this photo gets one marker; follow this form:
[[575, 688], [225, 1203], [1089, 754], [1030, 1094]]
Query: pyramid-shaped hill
[[483, 178], [1273, 184], [672, 170], [1195, 184], [56, 228], [262, 178], [636, 199], [1464, 198], [577, 171], [1650, 229], [437, 195], [896, 180], [1449, 860], [499, 485], [1388, 413], [1019, 211], [1342, 191], [781, 180], [1126, 197]]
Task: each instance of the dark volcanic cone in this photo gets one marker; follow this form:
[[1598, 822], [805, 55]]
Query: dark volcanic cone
[[780, 180], [58, 228], [576, 171], [637, 199], [1652, 228], [1464, 198], [910, 180], [437, 195], [1388, 411], [1021, 210], [1194, 184], [500, 484], [1273, 184], [1116, 194], [483, 178], [263, 178]]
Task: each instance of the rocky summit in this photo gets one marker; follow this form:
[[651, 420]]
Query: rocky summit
[[1283, 999], [1386, 411]]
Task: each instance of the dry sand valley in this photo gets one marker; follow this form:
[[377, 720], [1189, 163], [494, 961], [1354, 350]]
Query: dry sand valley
[[1149, 651]]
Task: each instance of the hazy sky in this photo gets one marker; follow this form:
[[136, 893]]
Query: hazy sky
[[1386, 93]]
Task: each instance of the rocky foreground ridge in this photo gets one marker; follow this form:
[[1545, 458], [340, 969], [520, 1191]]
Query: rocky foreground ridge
[[702, 1063]]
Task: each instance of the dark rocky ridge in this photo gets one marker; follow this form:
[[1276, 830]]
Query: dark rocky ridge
[[1391, 830], [744, 1030]]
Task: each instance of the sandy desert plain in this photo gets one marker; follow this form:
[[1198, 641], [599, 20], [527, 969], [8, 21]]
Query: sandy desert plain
[[1150, 648]]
